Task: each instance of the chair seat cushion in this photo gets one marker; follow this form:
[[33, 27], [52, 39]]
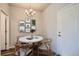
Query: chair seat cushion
[[43, 47]]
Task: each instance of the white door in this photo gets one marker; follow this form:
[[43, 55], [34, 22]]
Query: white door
[[2, 31], [68, 42]]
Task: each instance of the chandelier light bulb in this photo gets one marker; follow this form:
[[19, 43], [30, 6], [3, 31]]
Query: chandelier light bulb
[[34, 12], [26, 11], [30, 10]]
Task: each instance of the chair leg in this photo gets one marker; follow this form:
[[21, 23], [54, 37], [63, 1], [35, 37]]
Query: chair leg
[[19, 53], [17, 50], [49, 52]]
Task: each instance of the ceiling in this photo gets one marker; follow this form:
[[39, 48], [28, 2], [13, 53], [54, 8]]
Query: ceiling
[[35, 6]]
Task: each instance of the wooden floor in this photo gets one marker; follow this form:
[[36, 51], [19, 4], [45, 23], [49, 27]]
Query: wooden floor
[[10, 52]]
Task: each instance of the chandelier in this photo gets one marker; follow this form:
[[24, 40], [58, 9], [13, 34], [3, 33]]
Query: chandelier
[[30, 11]]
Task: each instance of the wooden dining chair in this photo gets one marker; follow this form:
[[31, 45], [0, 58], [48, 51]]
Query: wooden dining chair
[[17, 47], [20, 45], [45, 48]]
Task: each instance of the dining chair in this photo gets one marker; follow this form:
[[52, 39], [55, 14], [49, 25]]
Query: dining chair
[[45, 48], [20, 45]]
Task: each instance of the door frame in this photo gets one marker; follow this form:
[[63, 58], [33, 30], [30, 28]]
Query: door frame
[[6, 29]]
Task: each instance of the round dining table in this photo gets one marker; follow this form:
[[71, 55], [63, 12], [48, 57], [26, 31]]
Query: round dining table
[[35, 40]]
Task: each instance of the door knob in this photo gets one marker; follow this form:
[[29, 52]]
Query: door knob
[[59, 35], [59, 32]]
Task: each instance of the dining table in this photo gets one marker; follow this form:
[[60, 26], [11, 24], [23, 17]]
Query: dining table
[[35, 42]]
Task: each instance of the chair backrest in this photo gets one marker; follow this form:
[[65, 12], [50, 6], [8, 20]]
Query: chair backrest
[[46, 42], [17, 42]]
